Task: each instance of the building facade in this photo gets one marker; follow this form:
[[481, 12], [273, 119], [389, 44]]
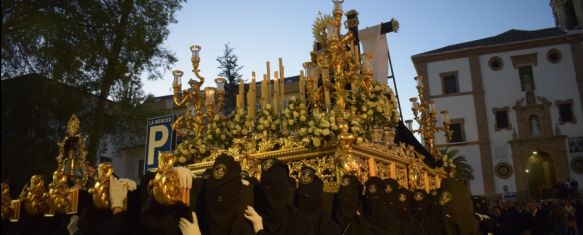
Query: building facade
[[515, 104]]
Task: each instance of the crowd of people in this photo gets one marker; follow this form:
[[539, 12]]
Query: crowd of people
[[545, 217], [225, 200]]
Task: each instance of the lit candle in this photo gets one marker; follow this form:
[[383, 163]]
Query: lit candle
[[210, 95], [445, 116], [281, 84], [302, 85], [251, 102], [177, 83], [264, 91], [276, 92], [419, 83], [432, 104], [241, 94]]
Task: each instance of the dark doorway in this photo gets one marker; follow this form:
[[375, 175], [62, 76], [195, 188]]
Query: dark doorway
[[540, 173]]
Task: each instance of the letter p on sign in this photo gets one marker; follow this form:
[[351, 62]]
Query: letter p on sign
[[160, 138]]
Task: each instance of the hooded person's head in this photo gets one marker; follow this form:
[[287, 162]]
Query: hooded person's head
[[456, 208], [347, 200], [273, 192], [403, 204], [419, 204], [374, 201], [480, 205], [391, 188], [309, 191], [223, 185]]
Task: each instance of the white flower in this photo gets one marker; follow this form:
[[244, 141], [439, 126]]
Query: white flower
[[306, 140], [296, 114], [182, 159], [316, 142], [291, 106], [290, 122], [303, 118], [325, 132], [292, 99], [202, 149], [244, 132], [359, 140]]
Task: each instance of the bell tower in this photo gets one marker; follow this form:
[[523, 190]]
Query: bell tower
[[568, 13]]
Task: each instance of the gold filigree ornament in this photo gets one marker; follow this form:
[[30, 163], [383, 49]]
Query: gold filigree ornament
[[220, 171], [306, 176], [345, 181], [372, 188], [59, 193], [267, 165], [35, 196], [418, 196], [165, 187], [389, 188], [100, 190], [402, 197], [6, 201], [444, 198], [72, 155]]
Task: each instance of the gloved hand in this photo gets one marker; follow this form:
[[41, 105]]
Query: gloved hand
[[188, 228], [118, 192], [130, 183], [184, 176], [72, 227], [256, 220]]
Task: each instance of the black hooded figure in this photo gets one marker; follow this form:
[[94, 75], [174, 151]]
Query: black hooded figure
[[311, 217], [403, 207], [375, 209], [346, 205], [391, 195], [272, 197], [486, 224], [158, 219], [226, 199], [456, 208], [420, 212], [433, 219]]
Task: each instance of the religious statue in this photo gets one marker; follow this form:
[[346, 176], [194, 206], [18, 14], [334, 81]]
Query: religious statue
[[72, 153], [348, 163]]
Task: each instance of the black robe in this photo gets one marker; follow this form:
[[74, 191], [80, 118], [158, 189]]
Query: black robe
[[345, 210], [311, 216], [226, 199], [272, 198]]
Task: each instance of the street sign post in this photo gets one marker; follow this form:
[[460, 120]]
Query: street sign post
[[160, 137]]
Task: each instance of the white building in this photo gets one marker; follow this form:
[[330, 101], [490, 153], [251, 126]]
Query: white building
[[515, 102]]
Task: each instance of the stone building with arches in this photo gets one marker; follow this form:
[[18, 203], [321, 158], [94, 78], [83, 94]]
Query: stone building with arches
[[515, 104]]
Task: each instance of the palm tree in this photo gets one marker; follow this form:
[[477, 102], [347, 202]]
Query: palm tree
[[463, 169]]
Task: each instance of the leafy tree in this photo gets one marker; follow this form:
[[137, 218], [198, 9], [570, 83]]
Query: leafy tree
[[230, 70], [105, 47], [463, 169]]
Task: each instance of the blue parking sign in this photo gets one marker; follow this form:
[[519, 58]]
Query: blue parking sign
[[160, 137]]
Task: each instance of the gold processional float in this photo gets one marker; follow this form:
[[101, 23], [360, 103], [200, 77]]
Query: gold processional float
[[342, 122]]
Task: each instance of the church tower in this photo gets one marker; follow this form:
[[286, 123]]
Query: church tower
[[568, 13]]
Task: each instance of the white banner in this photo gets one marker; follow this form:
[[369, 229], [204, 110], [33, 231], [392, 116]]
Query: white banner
[[376, 43]]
